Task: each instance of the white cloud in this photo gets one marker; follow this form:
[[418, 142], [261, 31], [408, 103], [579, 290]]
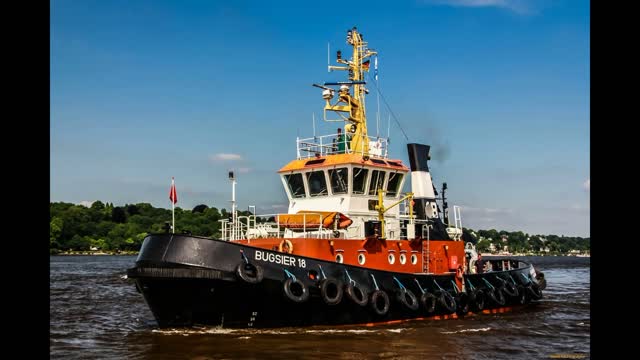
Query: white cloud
[[225, 157], [86, 203], [587, 185], [517, 6]]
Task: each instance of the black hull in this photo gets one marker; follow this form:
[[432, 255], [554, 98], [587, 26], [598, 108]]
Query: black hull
[[188, 280]]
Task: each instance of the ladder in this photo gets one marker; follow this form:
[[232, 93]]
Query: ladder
[[457, 217], [426, 254]]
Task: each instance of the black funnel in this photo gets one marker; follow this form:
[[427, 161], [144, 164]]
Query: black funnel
[[418, 156]]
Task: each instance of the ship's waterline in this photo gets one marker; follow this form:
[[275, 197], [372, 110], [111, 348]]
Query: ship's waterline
[[95, 313]]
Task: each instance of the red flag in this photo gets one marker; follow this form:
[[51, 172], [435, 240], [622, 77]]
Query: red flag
[[366, 64], [173, 195]]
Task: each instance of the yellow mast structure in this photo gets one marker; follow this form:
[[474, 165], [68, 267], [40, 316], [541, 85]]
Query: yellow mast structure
[[382, 209], [352, 103]]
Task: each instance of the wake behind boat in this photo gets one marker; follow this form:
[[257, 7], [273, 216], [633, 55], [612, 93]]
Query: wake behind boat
[[352, 248]]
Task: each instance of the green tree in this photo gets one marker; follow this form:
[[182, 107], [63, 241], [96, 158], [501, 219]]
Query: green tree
[[118, 215], [79, 243], [55, 230], [97, 205], [132, 210], [199, 208]]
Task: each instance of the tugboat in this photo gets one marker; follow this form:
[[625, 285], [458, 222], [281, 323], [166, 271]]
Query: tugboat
[[352, 248]]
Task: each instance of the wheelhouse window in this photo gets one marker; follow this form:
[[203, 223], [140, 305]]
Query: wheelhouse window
[[359, 180], [393, 185], [377, 178], [317, 183], [296, 185], [339, 180]]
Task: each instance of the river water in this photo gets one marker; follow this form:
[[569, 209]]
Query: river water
[[96, 314]]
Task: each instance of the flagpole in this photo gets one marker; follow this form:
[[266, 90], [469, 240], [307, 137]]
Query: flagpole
[[173, 196]]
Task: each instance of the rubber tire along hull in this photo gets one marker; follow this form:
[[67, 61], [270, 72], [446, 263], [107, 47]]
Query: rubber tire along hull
[[190, 280]]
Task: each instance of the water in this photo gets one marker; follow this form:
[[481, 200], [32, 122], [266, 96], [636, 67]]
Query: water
[[96, 314]]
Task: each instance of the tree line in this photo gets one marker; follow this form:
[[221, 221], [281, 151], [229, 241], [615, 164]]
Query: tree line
[[110, 228], [519, 242]]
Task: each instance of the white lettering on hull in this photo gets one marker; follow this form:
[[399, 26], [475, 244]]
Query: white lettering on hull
[[279, 259]]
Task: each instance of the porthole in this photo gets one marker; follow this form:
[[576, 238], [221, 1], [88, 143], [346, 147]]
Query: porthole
[[361, 259], [392, 259], [414, 259], [339, 258], [403, 259]]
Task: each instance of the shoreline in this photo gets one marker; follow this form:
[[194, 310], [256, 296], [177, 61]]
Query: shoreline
[[95, 253]]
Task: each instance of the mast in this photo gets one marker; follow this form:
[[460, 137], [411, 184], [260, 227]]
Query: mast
[[445, 205], [351, 95]]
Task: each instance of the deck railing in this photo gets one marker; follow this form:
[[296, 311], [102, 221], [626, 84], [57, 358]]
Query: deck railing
[[248, 227], [329, 144]]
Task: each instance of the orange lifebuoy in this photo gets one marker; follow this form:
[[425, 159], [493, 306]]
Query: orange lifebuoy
[[289, 246]]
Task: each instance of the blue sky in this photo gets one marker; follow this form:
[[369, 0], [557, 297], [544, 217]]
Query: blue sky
[[145, 90]]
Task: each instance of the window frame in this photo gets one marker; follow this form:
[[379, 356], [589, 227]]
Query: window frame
[[324, 175], [383, 184], [335, 168], [288, 188]]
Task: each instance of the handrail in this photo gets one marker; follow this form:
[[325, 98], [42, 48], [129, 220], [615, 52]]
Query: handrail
[[327, 145], [242, 229]]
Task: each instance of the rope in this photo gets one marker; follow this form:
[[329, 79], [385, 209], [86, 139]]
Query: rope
[[471, 287], [322, 271], [438, 285], [351, 281], [488, 283], [290, 275], [455, 286], [399, 283], [374, 281], [244, 257], [389, 108], [526, 278], [420, 287]]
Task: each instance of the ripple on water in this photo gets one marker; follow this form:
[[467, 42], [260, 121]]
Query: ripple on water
[[95, 313]]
